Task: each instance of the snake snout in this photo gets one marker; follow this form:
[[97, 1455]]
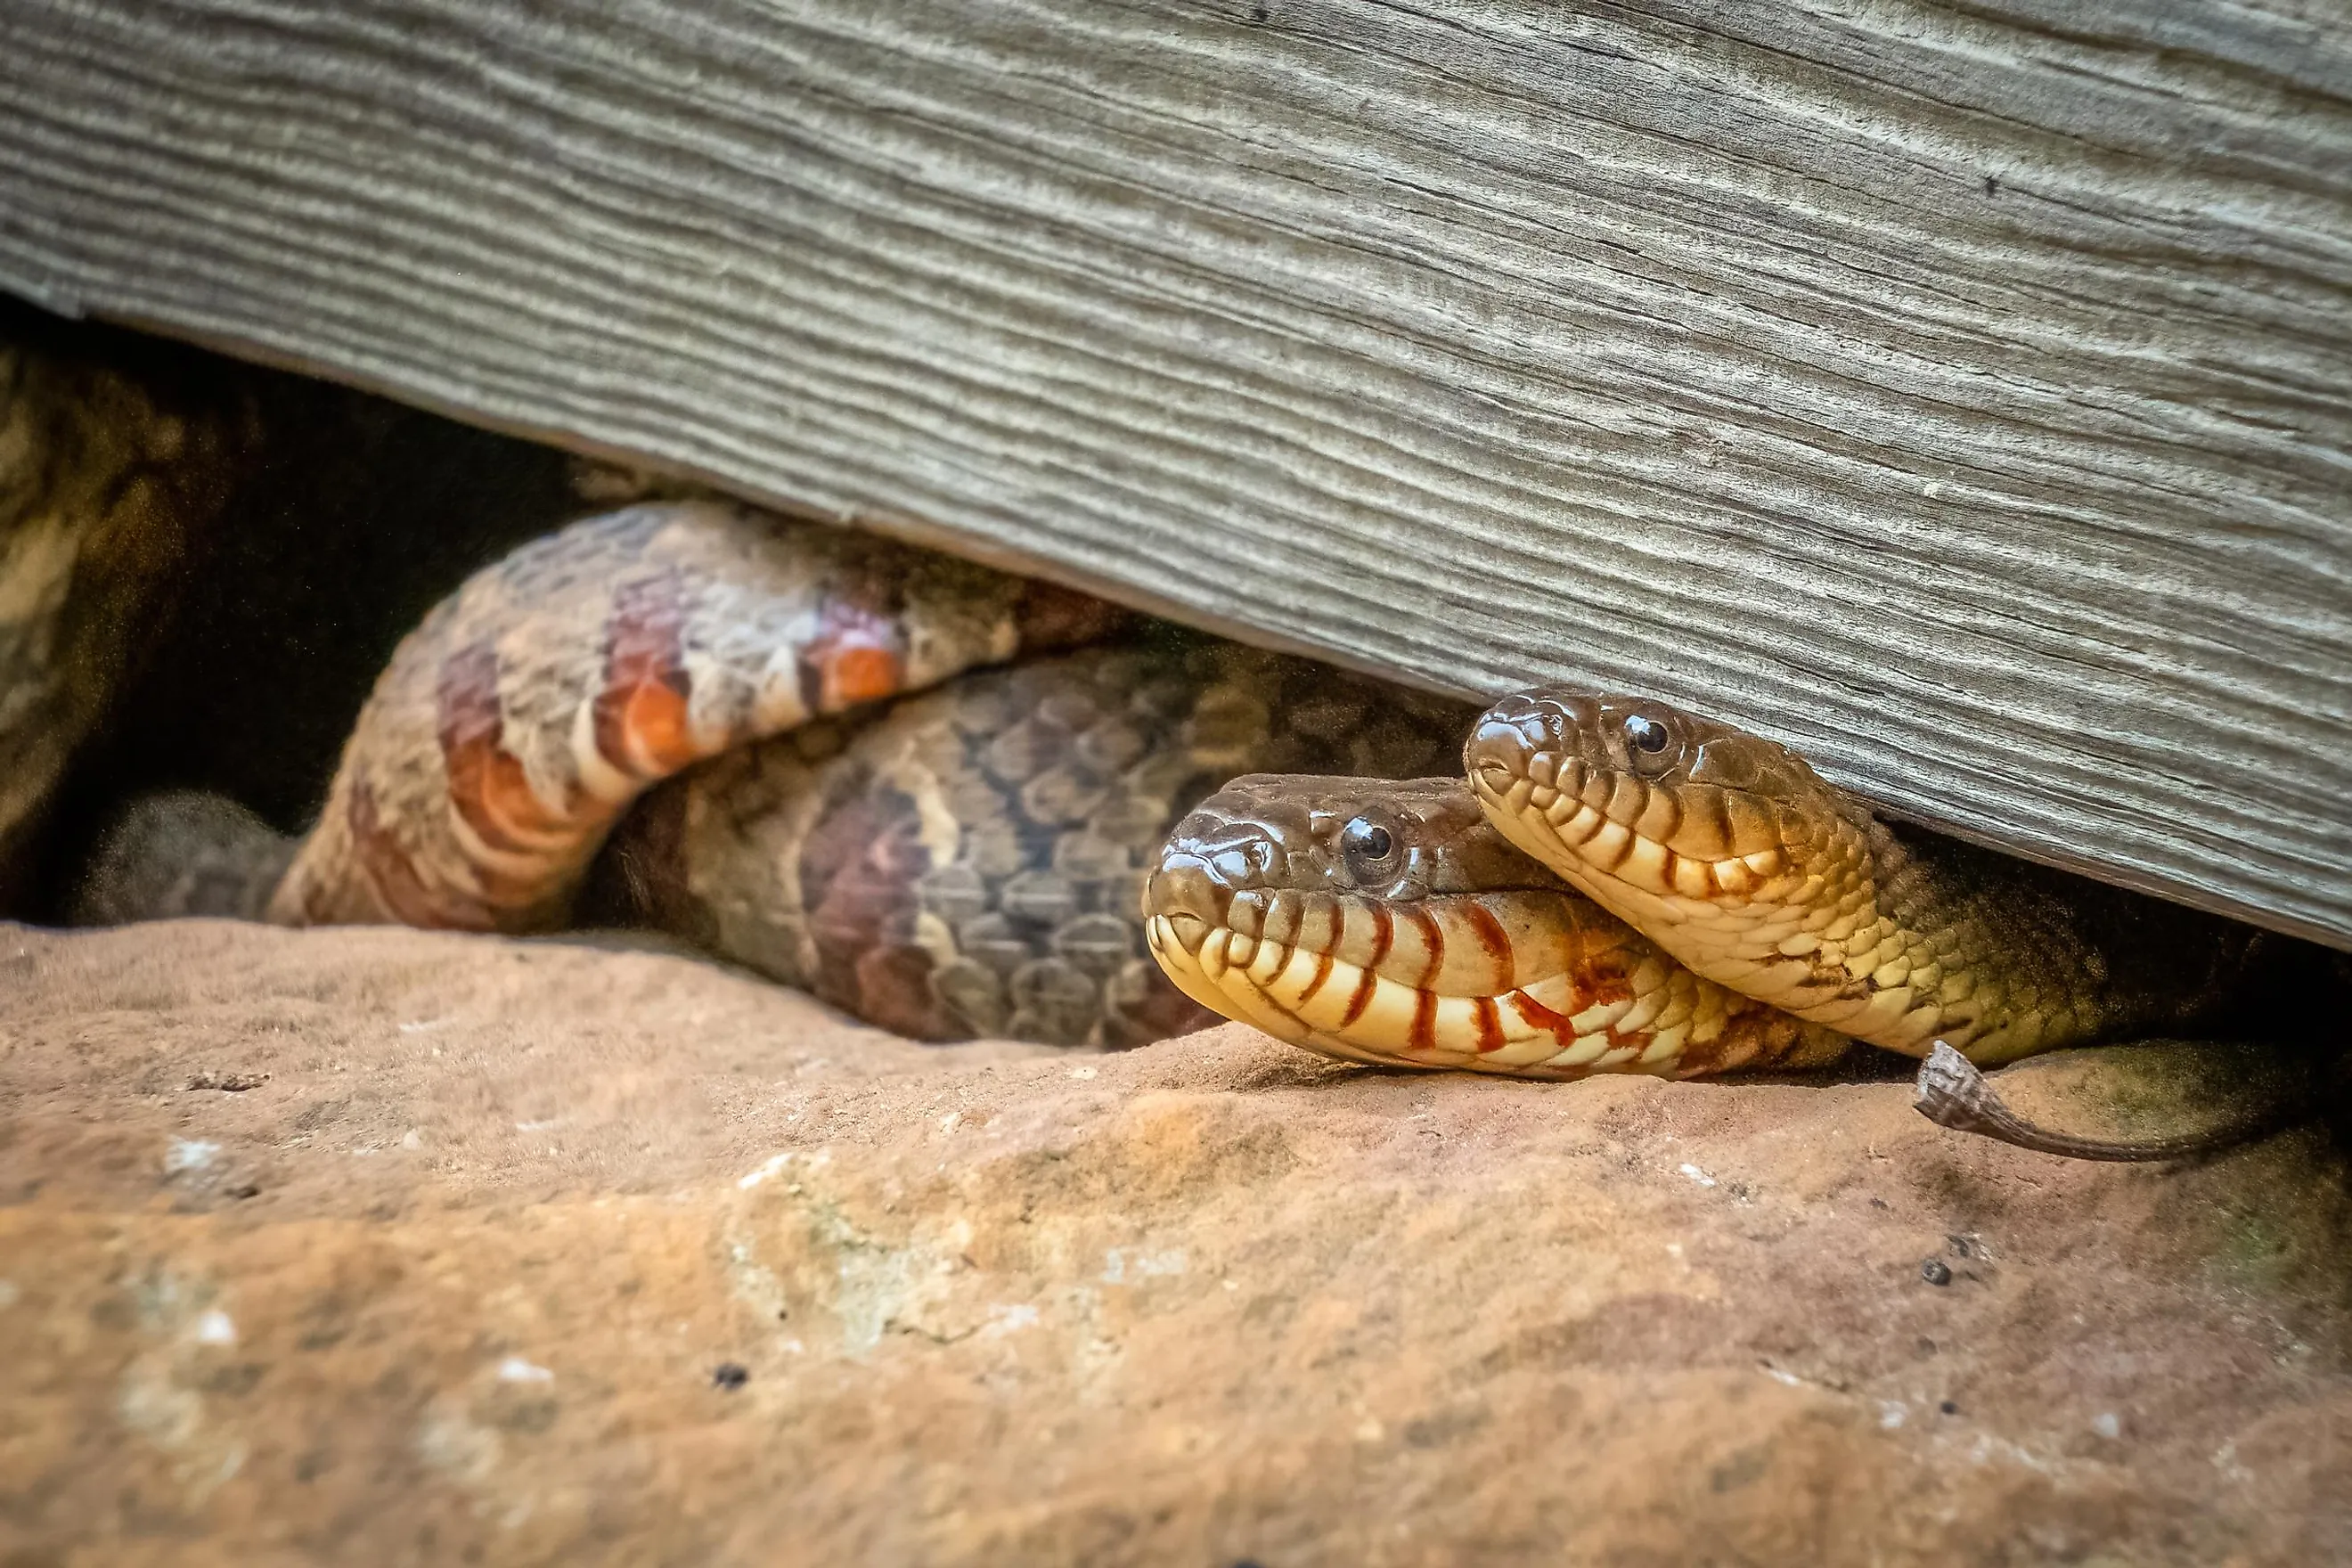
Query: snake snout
[[1530, 744], [1184, 897], [1498, 753]]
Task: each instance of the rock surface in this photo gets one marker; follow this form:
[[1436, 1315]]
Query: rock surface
[[383, 1246]]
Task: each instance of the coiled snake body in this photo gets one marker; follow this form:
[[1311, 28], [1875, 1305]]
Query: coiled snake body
[[964, 860]]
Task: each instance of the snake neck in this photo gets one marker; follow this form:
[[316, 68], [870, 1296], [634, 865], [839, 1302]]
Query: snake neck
[[2026, 957], [1902, 940]]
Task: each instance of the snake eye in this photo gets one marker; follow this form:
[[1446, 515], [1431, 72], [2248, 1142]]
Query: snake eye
[[1645, 735], [1369, 847]]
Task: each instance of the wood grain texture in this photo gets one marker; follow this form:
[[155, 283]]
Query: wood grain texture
[[1957, 391]]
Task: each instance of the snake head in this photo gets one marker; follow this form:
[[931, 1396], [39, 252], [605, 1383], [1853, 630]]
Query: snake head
[[1365, 918], [1268, 839], [1394, 923], [1642, 806]]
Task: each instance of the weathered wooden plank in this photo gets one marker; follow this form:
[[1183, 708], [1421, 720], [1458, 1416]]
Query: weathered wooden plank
[[1959, 391]]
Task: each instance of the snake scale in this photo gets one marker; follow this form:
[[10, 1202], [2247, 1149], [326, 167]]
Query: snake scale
[[957, 802]]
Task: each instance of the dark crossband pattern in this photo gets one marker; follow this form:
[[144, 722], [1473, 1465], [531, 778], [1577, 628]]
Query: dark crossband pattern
[[971, 861]]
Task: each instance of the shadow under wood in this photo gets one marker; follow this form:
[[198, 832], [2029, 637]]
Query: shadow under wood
[[361, 515]]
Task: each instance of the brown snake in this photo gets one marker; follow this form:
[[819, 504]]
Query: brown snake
[[1689, 900], [1734, 855], [1617, 887], [856, 803]]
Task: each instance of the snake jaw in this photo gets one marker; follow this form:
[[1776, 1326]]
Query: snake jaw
[[1194, 960]]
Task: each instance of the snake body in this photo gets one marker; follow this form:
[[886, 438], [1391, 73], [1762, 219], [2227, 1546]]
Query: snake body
[[512, 728], [970, 860], [926, 791]]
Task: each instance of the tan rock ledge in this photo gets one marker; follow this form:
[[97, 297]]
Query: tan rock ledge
[[375, 1246]]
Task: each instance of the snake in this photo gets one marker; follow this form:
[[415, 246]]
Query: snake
[[1740, 860], [923, 790], [954, 801], [1613, 884]]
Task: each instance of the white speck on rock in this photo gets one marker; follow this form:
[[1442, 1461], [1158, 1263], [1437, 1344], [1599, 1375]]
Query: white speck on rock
[[1082, 1073], [1892, 1413], [514, 1368], [216, 1327], [2106, 1425], [1695, 1175], [768, 1167], [1122, 1266], [188, 1154], [1006, 1319]]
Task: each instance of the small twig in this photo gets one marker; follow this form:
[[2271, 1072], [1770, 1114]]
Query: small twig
[[1951, 1092]]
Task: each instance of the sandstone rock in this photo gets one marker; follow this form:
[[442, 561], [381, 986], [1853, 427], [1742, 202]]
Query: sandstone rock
[[385, 1246]]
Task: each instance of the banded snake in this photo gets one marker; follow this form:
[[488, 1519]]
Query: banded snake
[[857, 803]]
